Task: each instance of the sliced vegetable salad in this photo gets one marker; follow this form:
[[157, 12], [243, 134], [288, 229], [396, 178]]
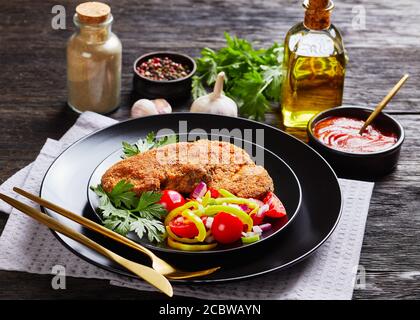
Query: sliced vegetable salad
[[210, 217]]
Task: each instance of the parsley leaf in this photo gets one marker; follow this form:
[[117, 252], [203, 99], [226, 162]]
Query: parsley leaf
[[119, 223], [253, 77], [148, 207], [197, 88], [122, 194], [130, 149], [144, 219], [153, 228], [146, 144], [147, 198]]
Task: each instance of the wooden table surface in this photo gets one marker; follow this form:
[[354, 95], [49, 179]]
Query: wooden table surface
[[33, 106]]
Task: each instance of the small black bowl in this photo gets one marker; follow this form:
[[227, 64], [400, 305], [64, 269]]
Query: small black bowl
[[171, 90], [368, 166]]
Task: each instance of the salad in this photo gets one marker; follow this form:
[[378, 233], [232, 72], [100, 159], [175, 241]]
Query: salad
[[211, 217]]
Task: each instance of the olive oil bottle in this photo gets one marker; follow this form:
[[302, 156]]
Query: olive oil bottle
[[314, 66]]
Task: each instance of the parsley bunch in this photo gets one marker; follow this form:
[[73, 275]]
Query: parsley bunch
[[122, 211], [253, 76]]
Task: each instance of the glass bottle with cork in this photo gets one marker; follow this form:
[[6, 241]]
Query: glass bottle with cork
[[93, 61], [314, 66]]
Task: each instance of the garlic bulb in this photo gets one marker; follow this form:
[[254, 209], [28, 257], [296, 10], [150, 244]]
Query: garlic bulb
[[145, 107], [216, 102]]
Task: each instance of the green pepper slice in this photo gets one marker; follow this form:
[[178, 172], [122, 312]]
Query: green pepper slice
[[226, 193], [251, 239], [237, 200]]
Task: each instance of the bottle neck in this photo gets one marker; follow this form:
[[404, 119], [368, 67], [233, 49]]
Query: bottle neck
[[318, 14], [94, 33]]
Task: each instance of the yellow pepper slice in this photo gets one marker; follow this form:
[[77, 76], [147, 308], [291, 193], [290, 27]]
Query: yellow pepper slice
[[180, 239], [237, 200], [245, 218], [226, 193], [206, 198], [177, 211], [190, 247], [254, 211], [188, 214]]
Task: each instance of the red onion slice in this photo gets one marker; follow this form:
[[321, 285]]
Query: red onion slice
[[199, 191], [265, 226]]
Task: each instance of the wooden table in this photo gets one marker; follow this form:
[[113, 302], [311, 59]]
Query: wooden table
[[33, 106]]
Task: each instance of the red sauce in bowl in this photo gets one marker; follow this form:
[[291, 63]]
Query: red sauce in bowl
[[342, 133]]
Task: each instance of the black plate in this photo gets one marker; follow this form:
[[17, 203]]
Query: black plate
[[277, 168], [67, 180]]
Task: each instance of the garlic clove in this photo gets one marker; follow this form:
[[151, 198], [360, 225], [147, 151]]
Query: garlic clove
[[162, 106], [142, 108]]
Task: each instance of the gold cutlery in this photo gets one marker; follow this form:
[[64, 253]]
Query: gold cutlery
[[148, 274], [158, 264]]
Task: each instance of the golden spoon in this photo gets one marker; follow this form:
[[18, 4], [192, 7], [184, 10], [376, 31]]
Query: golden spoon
[[384, 102]]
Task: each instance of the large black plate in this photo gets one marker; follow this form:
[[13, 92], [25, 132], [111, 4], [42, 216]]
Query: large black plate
[[279, 171], [67, 180]]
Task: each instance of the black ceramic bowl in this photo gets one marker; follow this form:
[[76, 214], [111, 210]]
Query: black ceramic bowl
[[171, 90], [359, 165]]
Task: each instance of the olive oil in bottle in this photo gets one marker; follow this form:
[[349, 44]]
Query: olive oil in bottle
[[313, 67]]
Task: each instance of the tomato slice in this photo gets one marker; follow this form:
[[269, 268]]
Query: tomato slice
[[171, 199], [257, 220], [214, 193], [226, 228], [183, 228], [276, 208]]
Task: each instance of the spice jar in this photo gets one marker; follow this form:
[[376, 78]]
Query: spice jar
[[93, 61]]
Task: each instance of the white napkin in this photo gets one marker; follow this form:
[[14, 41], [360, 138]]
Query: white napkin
[[26, 245]]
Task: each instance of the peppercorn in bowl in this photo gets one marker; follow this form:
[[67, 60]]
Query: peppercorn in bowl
[[163, 75]]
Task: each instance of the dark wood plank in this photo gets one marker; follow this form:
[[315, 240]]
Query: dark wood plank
[[389, 285], [389, 253], [33, 95]]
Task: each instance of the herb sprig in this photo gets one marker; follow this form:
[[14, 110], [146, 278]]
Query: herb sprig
[[146, 144], [122, 211], [253, 76]]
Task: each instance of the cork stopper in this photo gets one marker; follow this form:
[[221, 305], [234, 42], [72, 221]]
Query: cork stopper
[[318, 14], [93, 12]]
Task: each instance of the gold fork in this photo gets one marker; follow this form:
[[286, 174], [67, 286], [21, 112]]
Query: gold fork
[[148, 274], [158, 264]]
